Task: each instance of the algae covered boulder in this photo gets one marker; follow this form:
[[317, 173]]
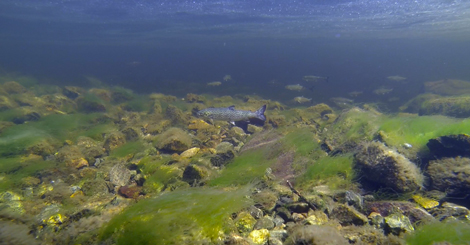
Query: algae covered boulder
[[450, 145], [380, 164], [451, 175], [448, 87], [174, 140], [455, 106]]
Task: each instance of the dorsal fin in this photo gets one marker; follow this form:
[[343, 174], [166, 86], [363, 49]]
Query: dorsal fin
[[232, 107]]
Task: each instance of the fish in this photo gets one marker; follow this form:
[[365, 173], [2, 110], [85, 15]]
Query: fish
[[355, 93], [232, 115], [215, 83], [227, 78], [340, 101], [295, 87], [396, 78], [301, 99], [382, 91], [312, 78]]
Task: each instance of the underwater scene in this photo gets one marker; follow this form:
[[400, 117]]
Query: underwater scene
[[234, 122]]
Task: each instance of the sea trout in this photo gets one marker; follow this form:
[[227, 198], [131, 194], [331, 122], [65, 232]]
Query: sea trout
[[232, 115]]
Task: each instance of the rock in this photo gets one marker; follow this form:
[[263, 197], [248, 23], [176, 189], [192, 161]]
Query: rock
[[377, 220], [448, 87], [114, 140], [174, 140], [225, 153], [6, 103], [385, 208], [348, 215], [198, 124], [255, 212], [26, 114], [451, 175], [379, 164], [190, 152], [259, 236], [316, 218], [175, 115], [284, 213], [450, 146], [451, 211], [194, 173], [13, 87], [354, 199], [454, 106], [245, 222], [131, 134], [72, 157], [90, 105], [315, 235], [265, 222], [120, 94], [193, 98], [95, 187], [130, 191], [278, 234], [72, 92], [425, 202], [253, 129], [266, 199], [398, 223], [119, 175]]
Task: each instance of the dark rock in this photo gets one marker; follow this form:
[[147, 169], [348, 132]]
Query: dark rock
[[315, 235], [130, 191], [72, 92], [298, 207], [450, 145], [450, 210], [348, 215], [131, 134], [284, 213], [176, 115], [385, 208], [382, 165], [89, 106], [450, 175], [114, 140], [174, 140], [193, 174], [264, 223]]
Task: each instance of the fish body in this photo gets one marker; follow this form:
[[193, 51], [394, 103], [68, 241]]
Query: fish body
[[227, 78], [312, 78], [216, 83], [232, 115], [396, 78], [382, 91], [301, 99], [295, 87]]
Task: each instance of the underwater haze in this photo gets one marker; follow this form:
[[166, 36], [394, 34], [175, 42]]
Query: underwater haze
[[177, 46]]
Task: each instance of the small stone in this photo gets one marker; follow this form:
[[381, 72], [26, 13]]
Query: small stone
[[119, 175], [78, 163], [190, 152], [377, 220], [264, 223], [253, 129], [297, 217], [130, 191], [245, 222], [398, 223], [424, 202], [194, 173], [279, 234], [114, 140], [316, 218], [259, 236], [348, 215]]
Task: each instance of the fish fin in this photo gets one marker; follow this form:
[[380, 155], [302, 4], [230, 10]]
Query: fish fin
[[233, 123], [232, 107], [260, 113]]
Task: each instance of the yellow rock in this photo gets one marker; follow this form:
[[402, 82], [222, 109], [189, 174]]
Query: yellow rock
[[77, 193], [55, 220], [198, 124], [79, 163], [425, 202], [259, 236], [190, 152]]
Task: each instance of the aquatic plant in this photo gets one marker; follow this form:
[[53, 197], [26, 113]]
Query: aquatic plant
[[157, 173], [303, 141], [246, 168], [418, 130], [335, 172], [453, 232], [139, 104], [14, 169], [189, 216], [129, 148]]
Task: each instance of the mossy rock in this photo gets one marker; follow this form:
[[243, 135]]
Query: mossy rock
[[449, 106], [13, 87], [448, 87], [174, 140]]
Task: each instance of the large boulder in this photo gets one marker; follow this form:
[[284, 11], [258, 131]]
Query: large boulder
[[380, 164], [451, 175]]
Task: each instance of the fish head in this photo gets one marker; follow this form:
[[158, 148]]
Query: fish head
[[203, 114]]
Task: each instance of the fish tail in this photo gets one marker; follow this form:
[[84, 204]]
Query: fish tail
[[260, 113]]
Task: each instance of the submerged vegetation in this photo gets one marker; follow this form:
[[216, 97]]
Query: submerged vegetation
[[72, 159]]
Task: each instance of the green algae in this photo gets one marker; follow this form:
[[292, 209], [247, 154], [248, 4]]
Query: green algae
[[454, 232], [157, 173], [418, 130], [244, 169], [335, 172], [303, 141], [189, 216], [127, 149], [13, 170], [16, 139]]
